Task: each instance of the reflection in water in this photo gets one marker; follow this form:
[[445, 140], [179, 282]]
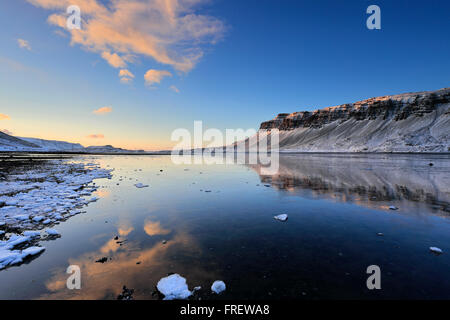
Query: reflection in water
[[229, 234], [367, 180], [154, 228], [130, 265]]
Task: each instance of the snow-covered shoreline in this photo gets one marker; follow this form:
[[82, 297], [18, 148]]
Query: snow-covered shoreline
[[38, 196]]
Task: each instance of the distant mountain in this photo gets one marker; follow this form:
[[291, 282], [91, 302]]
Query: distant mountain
[[10, 143], [110, 149], [52, 145], [410, 122]]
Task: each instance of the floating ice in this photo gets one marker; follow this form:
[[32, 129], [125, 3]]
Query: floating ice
[[8, 256], [436, 250], [41, 195], [174, 287], [52, 232], [38, 218], [32, 234], [281, 217], [218, 286], [140, 185]]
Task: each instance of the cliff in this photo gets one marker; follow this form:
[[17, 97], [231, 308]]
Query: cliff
[[411, 122]]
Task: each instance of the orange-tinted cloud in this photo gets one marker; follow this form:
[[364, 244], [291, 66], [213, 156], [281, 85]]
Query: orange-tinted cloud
[[24, 44], [96, 136], [125, 76], [114, 59], [155, 76], [4, 117], [169, 31], [102, 110]]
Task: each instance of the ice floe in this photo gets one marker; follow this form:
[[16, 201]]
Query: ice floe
[[218, 286], [436, 250], [11, 256], [174, 287], [281, 217], [38, 195], [141, 185], [52, 232]]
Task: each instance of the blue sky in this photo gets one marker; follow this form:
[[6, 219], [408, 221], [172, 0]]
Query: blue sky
[[257, 58]]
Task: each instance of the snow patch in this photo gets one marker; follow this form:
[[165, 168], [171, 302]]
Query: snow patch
[[281, 217], [174, 287], [140, 185], [218, 286]]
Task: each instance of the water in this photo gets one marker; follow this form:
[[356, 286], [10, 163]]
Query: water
[[336, 205]]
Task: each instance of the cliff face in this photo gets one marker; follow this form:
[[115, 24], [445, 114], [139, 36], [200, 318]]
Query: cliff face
[[411, 122]]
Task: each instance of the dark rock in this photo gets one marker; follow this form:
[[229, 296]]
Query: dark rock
[[102, 260], [127, 294]]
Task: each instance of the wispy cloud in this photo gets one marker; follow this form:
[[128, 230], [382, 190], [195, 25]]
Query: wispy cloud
[[155, 76], [4, 116], [96, 136], [175, 89], [125, 76], [103, 110], [114, 59], [24, 44], [169, 31]]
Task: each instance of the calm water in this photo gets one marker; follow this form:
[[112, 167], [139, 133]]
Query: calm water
[[336, 207]]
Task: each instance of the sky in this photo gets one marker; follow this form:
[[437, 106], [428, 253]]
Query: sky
[[139, 69]]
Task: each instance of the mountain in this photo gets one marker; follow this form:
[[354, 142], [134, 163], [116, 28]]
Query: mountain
[[52, 145], [10, 143], [410, 122], [110, 149]]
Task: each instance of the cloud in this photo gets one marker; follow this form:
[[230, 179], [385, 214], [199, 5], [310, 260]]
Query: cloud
[[175, 89], [24, 44], [96, 136], [4, 116], [155, 76], [125, 76], [114, 59], [102, 110], [6, 131], [171, 32]]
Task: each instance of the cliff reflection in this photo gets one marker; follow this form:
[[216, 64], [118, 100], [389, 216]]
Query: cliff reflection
[[369, 180]]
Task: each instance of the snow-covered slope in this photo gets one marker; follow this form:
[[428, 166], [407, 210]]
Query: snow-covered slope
[[10, 143], [412, 122], [51, 145]]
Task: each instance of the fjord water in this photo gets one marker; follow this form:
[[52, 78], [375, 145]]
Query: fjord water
[[217, 223]]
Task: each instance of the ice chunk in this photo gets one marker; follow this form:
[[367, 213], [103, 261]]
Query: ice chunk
[[38, 218], [32, 234], [174, 287], [140, 185], [218, 286], [52, 232], [436, 250], [281, 217]]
